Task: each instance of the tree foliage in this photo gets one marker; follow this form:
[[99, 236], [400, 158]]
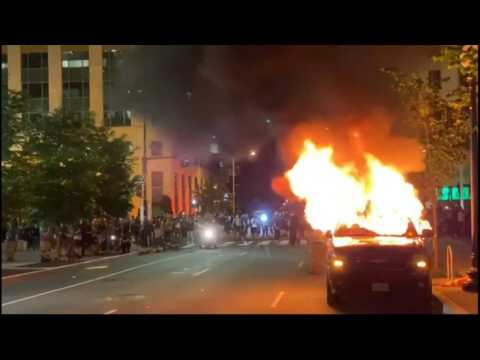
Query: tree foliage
[[59, 168], [443, 122], [16, 164]]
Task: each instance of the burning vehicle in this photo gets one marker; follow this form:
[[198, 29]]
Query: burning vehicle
[[373, 218], [362, 264]]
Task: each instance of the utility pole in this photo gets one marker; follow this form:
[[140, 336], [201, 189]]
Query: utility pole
[[144, 172], [472, 284]]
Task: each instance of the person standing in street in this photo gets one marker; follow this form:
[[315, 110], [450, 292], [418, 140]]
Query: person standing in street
[[293, 229], [254, 228], [237, 227]]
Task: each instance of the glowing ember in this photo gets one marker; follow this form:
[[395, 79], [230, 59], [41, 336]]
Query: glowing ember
[[381, 200]]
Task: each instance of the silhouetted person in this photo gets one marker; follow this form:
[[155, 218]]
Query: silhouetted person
[[293, 229]]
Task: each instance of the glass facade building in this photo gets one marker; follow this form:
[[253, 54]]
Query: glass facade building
[[75, 75], [35, 82], [114, 115]]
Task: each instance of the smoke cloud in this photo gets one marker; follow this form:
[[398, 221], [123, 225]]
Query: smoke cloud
[[351, 138]]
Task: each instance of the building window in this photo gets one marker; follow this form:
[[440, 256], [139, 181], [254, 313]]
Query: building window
[[184, 207], [115, 115], [157, 187], [118, 118], [157, 148], [35, 82], [435, 79], [76, 82]]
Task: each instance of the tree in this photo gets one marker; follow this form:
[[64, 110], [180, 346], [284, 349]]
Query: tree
[[68, 156], [444, 131], [16, 164], [116, 186]]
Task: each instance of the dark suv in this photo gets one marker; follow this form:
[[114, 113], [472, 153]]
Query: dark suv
[[363, 265]]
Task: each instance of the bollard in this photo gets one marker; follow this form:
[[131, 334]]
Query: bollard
[[450, 272], [318, 256]]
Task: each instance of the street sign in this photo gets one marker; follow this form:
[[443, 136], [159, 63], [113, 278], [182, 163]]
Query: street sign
[[452, 193]]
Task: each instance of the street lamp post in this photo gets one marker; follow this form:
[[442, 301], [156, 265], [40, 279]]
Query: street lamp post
[[472, 284]]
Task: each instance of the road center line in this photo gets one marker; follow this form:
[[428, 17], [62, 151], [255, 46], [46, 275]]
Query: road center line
[[92, 280], [201, 272], [111, 312], [277, 299]]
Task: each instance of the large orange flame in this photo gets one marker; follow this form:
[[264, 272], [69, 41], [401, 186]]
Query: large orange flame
[[381, 200]]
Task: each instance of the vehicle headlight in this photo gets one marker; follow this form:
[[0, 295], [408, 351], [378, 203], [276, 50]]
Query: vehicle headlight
[[421, 264], [209, 234], [337, 263], [113, 237]]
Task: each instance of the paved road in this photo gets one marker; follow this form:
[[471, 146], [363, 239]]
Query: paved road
[[252, 279]]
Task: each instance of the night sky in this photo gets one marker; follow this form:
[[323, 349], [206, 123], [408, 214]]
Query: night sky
[[230, 91]]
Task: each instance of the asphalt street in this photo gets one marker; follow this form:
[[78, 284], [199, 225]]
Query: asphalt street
[[259, 278]]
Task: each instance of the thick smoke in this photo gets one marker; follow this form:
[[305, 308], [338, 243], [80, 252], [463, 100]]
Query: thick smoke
[[351, 138]]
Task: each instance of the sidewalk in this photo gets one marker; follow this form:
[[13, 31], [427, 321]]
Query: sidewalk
[[23, 258], [454, 298]]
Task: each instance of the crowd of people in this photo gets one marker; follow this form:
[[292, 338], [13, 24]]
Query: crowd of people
[[454, 221], [260, 225], [105, 235]]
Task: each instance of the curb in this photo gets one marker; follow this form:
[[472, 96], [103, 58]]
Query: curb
[[449, 306]]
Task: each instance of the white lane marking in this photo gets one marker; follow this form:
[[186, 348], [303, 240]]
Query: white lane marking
[[67, 266], [201, 272], [242, 254], [228, 243], [97, 267], [92, 280], [111, 312], [277, 299], [177, 272], [264, 243], [300, 264], [247, 243], [188, 246], [449, 307]]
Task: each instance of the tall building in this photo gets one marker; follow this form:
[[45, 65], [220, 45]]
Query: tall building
[[82, 79]]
